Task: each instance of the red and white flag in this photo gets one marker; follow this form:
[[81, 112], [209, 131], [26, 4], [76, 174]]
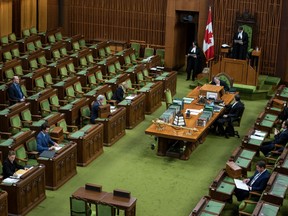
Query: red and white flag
[[208, 43]]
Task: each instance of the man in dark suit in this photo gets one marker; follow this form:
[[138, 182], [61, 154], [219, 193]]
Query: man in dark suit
[[280, 138], [240, 44], [15, 92], [95, 108], [119, 94], [257, 182], [218, 82], [10, 166], [233, 111], [44, 141], [193, 61]]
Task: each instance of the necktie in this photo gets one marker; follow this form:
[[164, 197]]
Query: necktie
[[19, 91], [255, 178]]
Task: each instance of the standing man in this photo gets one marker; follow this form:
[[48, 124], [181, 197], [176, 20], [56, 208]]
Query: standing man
[[44, 141], [257, 182], [240, 44], [15, 92], [193, 61], [10, 166], [95, 108]]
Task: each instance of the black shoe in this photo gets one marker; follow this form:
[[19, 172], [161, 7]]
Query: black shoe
[[187, 79], [227, 135]]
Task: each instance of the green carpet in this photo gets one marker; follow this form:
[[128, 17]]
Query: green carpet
[[162, 186]]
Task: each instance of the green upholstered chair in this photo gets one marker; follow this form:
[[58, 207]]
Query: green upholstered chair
[[18, 70], [102, 53], [168, 97], [226, 78], [85, 115], [140, 79], [12, 37], [9, 73], [127, 60], [106, 210], [59, 36], [56, 54], [99, 77], [63, 52], [147, 75], [92, 81], [129, 87], [33, 64], [118, 67], [33, 30], [7, 56], [21, 155], [45, 107], [48, 79], [71, 68], [4, 40], [42, 60], [26, 33], [78, 89], [136, 47], [51, 39], [248, 29], [108, 50], [15, 53], [15, 124], [31, 146], [39, 84], [133, 58], [109, 95], [83, 62], [76, 46], [24, 90], [63, 72], [148, 52], [80, 207], [62, 123], [26, 117], [161, 53], [38, 44], [112, 70], [247, 206], [54, 102], [90, 59], [70, 93], [82, 43], [31, 47]]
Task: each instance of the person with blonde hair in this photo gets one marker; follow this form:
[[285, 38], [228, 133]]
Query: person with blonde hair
[[119, 94]]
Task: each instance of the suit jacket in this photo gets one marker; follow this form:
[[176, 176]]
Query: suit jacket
[[281, 138], [43, 142], [94, 112], [261, 181], [118, 94], [234, 111], [222, 83], [10, 168], [14, 93]]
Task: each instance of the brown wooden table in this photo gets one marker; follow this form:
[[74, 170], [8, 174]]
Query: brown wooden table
[[191, 138], [135, 110], [61, 167], [27, 193]]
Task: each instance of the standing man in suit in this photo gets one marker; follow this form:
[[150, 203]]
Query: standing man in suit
[[218, 82], [193, 61], [44, 141], [10, 166], [240, 44], [119, 94], [257, 182], [95, 108], [232, 111], [15, 92], [280, 138]]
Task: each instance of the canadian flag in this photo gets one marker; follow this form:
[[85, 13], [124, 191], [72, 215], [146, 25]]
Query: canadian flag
[[208, 43]]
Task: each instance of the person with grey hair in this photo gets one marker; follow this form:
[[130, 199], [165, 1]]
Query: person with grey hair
[[218, 82], [95, 108]]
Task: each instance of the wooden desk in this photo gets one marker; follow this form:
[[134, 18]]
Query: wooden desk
[[27, 193], [93, 94], [265, 122], [117, 80], [282, 93], [265, 208], [104, 198], [250, 142], [168, 136], [153, 93], [58, 46], [10, 65], [61, 167], [3, 203], [114, 126], [55, 67], [26, 59], [135, 110], [25, 41], [51, 119], [169, 80], [89, 141], [152, 61], [62, 85], [208, 206], [282, 163]]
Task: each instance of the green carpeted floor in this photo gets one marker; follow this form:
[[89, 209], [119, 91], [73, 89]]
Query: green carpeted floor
[[162, 186]]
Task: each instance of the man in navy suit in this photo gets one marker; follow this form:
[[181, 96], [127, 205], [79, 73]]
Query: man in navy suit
[[240, 44], [44, 141], [256, 183], [95, 108], [15, 92], [233, 111], [280, 138], [120, 92]]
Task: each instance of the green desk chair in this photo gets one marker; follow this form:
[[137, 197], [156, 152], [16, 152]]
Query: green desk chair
[[130, 89], [31, 47], [7, 56], [58, 36], [82, 43], [24, 90], [101, 53], [106, 210], [63, 52], [147, 75], [80, 207], [133, 58], [38, 44], [42, 60], [15, 124], [127, 61], [33, 64], [12, 37], [51, 39], [99, 77], [15, 53], [140, 79], [90, 59], [247, 206], [112, 70], [33, 30], [48, 79], [108, 51], [78, 89], [71, 69], [45, 108], [85, 115], [62, 123], [26, 33], [54, 102], [161, 53], [92, 81], [18, 70], [4, 40], [39, 84], [56, 54], [31, 146], [76, 46], [21, 155], [26, 117], [83, 62], [109, 95], [9, 74], [63, 72], [148, 52], [70, 94], [136, 47], [168, 98], [118, 67]]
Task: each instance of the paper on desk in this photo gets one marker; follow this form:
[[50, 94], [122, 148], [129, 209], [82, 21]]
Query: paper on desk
[[10, 180], [57, 148], [194, 111], [241, 185], [260, 133], [188, 100], [257, 137], [130, 97]]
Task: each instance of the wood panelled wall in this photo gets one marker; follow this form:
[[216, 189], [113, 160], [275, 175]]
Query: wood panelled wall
[[268, 15], [119, 20], [5, 17]]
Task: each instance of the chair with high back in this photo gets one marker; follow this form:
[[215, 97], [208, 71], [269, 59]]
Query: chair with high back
[[48, 79], [7, 56], [38, 44], [140, 79], [24, 90], [63, 52], [147, 75], [12, 37], [85, 115], [31, 146], [15, 52], [4, 40], [161, 53], [90, 59], [15, 124], [226, 78], [92, 81], [39, 84], [31, 47], [168, 97], [21, 155], [56, 54], [99, 77], [80, 207], [70, 94], [42, 60], [79, 89], [248, 205], [33, 64], [101, 53], [129, 87], [54, 102], [9, 74], [63, 72], [83, 62], [45, 108], [76, 46], [58, 36], [118, 67], [136, 47], [18, 70], [108, 50], [112, 70], [109, 95], [82, 43], [26, 33], [33, 30], [62, 123], [71, 68], [148, 52], [51, 39], [127, 61], [26, 117]]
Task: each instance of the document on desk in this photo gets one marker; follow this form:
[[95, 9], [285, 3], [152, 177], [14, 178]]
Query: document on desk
[[57, 148], [257, 137], [130, 97], [241, 185], [194, 111], [260, 133], [11, 180]]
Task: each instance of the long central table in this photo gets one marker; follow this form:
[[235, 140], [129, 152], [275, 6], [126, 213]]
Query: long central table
[[168, 135]]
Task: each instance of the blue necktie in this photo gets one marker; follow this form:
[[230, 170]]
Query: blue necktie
[[19, 91]]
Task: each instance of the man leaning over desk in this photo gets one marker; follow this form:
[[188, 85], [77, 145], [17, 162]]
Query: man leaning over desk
[[44, 141]]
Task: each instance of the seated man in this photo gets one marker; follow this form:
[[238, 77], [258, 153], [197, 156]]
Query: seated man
[[95, 108], [280, 138], [44, 141], [10, 166], [15, 92], [119, 94], [218, 82], [232, 112], [257, 182]]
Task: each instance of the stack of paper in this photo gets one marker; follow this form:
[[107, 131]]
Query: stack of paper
[[188, 100], [257, 137], [194, 111]]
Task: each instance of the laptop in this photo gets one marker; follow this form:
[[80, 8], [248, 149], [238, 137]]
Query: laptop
[[47, 154]]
